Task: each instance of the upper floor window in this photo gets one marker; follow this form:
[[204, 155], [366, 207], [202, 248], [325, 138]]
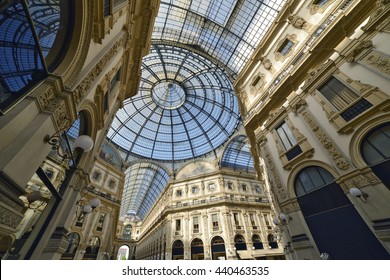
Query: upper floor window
[[376, 145], [285, 47], [286, 136], [252, 219], [107, 7], [49, 173], [96, 175], [178, 225], [115, 80], [195, 189], [320, 2], [244, 187], [211, 187], [195, 222], [230, 185], [214, 219], [341, 97], [111, 184], [179, 193], [99, 226], [236, 219]]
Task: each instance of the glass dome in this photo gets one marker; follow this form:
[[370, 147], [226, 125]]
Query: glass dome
[[185, 107]]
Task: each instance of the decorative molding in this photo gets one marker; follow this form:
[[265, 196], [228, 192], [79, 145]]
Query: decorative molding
[[378, 61], [281, 193], [293, 39], [318, 75], [359, 49], [378, 16], [257, 84], [81, 90], [290, 206], [326, 141], [314, 8], [10, 218], [298, 22], [358, 179], [267, 64]]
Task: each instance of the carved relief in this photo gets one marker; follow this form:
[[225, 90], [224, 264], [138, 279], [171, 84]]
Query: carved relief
[[9, 218], [380, 11], [299, 106], [359, 49], [361, 180], [267, 64], [45, 98], [281, 193], [81, 90], [58, 108], [378, 61], [291, 206], [326, 142], [298, 22]]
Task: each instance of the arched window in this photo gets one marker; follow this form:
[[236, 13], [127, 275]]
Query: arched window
[[257, 242], [312, 178], [197, 252], [375, 150], [218, 248], [272, 242], [325, 206], [239, 242], [93, 248], [73, 243], [127, 232], [177, 250], [35, 35]]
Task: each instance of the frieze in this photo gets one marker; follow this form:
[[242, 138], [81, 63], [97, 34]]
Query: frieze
[[365, 45], [279, 188], [326, 142], [81, 90], [378, 61], [361, 180], [9, 218]]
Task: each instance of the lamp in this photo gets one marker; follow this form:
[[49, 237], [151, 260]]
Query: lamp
[[282, 218], [35, 196], [324, 256], [83, 207], [359, 194], [83, 142], [285, 219]]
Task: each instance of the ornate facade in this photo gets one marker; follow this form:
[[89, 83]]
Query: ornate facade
[[311, 90], [317, 122]]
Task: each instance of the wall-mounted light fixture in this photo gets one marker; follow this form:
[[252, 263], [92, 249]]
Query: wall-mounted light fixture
[[324, 256], [359, 194], [84, 208], [283, 219], [83, 142], [33, 197]]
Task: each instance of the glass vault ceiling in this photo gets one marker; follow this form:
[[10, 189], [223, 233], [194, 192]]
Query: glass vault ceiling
[[227, 30], [237, 155], [143, 184], [185, 108]]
